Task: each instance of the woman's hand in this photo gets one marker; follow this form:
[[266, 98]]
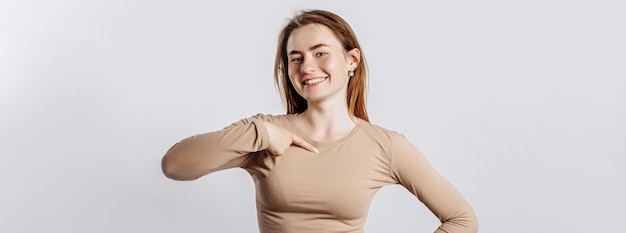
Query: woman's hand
[[281, 139]]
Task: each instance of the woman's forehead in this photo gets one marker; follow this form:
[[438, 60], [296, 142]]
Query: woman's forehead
[[309, 36]]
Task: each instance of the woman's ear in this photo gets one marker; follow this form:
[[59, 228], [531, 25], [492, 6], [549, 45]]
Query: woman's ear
[[354, 57]]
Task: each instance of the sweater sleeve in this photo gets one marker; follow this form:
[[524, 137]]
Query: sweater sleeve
[[413, 171], [201, 154]]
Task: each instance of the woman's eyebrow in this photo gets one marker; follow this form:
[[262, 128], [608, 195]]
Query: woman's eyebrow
[[318, 46], [312, 48]]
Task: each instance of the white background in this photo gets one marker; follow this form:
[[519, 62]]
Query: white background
[[520, 104]]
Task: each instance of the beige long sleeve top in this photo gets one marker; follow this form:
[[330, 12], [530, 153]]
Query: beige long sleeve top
[[301, 191]]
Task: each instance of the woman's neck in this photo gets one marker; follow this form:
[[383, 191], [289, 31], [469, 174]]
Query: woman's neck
[[326, 123]]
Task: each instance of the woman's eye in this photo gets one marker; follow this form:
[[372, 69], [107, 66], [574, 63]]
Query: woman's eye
[[296, 59], [321, 54]]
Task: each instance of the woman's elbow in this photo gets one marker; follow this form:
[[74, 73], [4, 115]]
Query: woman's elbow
[[169, 169], [465, 222], [173, 169], [471, 222], [473, 225]]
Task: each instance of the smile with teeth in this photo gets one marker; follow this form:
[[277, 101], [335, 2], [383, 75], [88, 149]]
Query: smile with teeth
[[314, 81]]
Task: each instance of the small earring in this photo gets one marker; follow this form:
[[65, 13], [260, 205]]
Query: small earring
[[351, 73]]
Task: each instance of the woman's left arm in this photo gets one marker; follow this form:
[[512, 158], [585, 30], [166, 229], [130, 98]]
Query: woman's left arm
[[412, 170]]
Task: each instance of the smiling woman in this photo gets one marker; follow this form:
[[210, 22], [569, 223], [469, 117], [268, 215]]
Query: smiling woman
[[318, 64], [317, 168], [332, 30]]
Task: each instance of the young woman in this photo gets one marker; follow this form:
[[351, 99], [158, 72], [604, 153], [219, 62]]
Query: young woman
[[317, 168]]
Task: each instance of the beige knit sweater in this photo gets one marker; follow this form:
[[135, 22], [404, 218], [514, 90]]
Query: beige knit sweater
[[301, 191]]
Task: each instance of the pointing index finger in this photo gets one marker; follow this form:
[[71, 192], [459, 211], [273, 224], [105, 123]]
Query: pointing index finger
[[298, 141]]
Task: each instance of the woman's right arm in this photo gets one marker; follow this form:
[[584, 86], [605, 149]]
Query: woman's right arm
[[201, 154]]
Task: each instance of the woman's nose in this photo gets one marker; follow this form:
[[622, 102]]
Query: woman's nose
[[308, 66]]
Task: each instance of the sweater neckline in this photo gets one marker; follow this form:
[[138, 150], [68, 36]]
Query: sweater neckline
[[357, 125]]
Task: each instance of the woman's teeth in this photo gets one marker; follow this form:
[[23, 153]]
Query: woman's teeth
[[313, 81]]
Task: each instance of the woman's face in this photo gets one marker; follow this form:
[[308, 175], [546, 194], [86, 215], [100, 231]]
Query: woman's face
[[318, 66]]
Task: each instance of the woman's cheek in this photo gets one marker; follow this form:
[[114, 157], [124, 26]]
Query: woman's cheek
[[291, 74], [328, 65]]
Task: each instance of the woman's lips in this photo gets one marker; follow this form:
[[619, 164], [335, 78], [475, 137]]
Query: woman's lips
[[314, 81]]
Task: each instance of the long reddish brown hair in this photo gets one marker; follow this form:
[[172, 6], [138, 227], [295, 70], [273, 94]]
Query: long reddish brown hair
[[342, 30]]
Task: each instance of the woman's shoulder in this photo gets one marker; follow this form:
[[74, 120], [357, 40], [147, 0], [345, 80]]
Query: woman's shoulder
[[280, 119], [379, 132]]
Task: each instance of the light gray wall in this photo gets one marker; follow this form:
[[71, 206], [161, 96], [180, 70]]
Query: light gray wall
[[520, 104]]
